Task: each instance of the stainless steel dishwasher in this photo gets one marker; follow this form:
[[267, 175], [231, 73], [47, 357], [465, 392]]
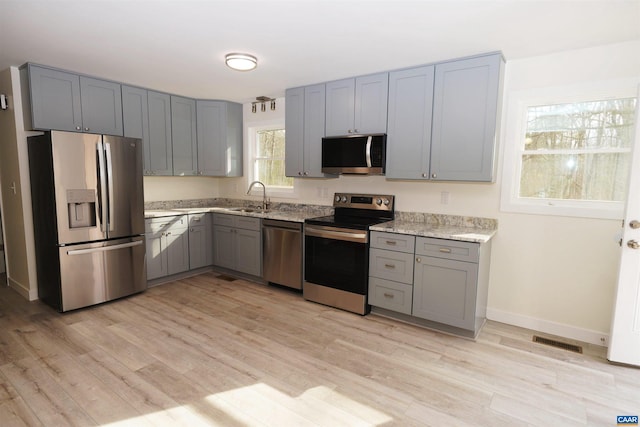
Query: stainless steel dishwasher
[[282, 252]]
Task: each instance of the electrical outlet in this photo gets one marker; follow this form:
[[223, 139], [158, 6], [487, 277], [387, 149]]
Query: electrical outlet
[[444, 198]]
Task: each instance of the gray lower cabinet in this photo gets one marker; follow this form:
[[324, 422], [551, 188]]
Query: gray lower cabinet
[[66, 101], [167, 246], [440, 281], [183, 136], [200, 234], [219, 138], [237, 243]]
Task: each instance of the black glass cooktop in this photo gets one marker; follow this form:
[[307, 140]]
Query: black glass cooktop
[[346, 221]]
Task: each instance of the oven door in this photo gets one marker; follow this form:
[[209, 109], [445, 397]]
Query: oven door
[[337, 258]]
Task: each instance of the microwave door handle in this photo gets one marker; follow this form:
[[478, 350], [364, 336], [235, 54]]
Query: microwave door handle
[[111, 200], [102, 201], [368, 151]]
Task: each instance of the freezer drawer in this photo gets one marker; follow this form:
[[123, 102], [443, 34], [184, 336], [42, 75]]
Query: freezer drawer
[[97, 272]]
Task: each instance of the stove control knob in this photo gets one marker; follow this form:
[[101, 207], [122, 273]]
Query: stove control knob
[[344, 199], [379, 201], [386, 202], [337, 199]]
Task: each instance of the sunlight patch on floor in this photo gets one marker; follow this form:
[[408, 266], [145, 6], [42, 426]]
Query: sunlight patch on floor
[[262, 405]]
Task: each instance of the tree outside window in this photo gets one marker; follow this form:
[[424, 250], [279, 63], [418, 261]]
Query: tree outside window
[[268, 162], [579, 151]]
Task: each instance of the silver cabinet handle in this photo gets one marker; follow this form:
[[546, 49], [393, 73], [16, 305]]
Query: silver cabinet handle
[[434, 175], [424, 175], [386, 295], [78, 128], [86, 129], [418, 259], [634, 224], [445, 250], [390, 266], [391, 242], [633, 244]]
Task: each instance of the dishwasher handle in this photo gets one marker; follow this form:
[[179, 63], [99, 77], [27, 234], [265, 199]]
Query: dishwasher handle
[[285, 225]]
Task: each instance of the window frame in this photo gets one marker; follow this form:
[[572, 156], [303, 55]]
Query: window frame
[[516, 119], [272, 191]]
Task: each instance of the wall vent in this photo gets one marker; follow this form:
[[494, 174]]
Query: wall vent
[[558, 344]]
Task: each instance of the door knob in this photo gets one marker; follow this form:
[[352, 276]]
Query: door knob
[[633, 244], [634, 224]]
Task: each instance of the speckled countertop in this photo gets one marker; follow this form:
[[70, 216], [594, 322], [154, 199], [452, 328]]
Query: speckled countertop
[[468, 229], [279, 211]]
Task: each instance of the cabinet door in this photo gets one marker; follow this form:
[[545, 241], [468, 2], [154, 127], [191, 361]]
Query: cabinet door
[[219, 138], [339, 109], [465, 109], [177, 250], [183, 136], [248, 251], [409, 123], [160, 152], [314, 125], [199, 246], [294, 132], [135, 118], [223, 247], [371, 94], [55, 99], [101, 106], [156, 255], [444, 291]]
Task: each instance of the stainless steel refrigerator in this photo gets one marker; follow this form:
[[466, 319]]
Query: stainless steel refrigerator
[[88, 214]]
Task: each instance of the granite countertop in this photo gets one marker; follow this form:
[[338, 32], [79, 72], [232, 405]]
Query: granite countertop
[[466, 229], [289, 214]]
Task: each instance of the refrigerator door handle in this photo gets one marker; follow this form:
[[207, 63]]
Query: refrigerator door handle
[[102, 202], [112, 216], [105, 248]]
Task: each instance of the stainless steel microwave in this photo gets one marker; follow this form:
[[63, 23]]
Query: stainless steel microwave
[[354, 154]]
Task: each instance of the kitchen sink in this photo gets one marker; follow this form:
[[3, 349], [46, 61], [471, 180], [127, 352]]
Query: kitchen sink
[[246, 210]]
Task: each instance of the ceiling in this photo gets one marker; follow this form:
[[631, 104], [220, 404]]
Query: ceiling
[[178, 46]]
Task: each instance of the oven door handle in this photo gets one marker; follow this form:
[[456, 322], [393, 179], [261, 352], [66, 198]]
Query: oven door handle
[[336, 235]]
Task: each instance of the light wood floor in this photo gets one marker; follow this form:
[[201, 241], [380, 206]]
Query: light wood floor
[[205, 351]]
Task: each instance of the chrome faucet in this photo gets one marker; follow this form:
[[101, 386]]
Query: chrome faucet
[[265, 202]]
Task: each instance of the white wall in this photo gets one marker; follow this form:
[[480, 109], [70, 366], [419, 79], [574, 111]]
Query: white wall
[[549, 273]]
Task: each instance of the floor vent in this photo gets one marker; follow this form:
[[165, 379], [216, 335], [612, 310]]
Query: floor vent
[[225, 277], [558, 344]]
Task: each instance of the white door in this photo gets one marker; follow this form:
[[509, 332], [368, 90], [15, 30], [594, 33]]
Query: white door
[[624, 345]]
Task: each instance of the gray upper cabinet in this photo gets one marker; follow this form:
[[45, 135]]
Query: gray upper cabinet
[[135, 114], [305, 125], [219, 130], [465, 111], [357, 106], [101, 106], [409, 125], [183, 136], [147, 115], [65, 101], [160, 149]]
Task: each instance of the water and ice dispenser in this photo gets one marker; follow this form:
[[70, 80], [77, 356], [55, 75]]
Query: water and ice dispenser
[[81, 205]]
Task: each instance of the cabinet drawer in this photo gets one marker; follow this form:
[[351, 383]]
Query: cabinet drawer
[[222, 219], [247, 223], [392, 241], [199, 219], [448, 249], [390, 265], [165, 223], [390, 295]]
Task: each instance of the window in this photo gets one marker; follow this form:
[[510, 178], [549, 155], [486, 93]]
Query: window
[[570, 158], [268, 164]]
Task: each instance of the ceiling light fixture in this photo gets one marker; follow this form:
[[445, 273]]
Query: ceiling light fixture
[[241, 61]]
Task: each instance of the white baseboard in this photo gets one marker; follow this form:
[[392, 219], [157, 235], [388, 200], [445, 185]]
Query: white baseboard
[[549, 327], [25, 292]]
